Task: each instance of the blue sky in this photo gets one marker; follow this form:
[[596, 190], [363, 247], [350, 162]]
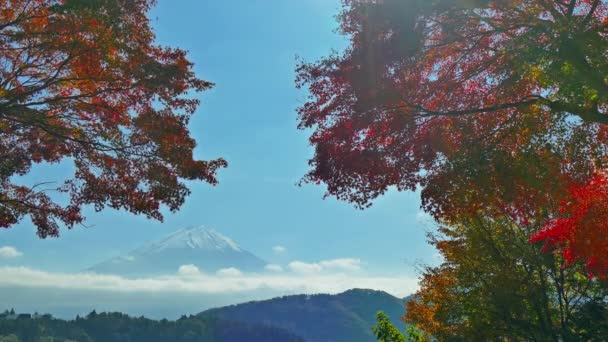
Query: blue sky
[[248, 49]]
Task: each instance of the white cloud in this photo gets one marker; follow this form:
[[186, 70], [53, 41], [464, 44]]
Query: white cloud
[[343, 264], [304, 267], [229, 272], [9, 252], [273, 268], [279, 250], [275, 284], [188, 271]]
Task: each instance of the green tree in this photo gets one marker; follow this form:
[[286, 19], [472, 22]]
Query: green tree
[[495, 285], [385, 331]]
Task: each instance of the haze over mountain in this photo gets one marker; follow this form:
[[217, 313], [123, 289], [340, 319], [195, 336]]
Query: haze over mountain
[[348, 316], [204, 248]]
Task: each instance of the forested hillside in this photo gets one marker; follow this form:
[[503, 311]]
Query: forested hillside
[[348, 316], [117, 327]]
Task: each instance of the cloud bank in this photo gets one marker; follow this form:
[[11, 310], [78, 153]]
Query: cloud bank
[[190, 279]]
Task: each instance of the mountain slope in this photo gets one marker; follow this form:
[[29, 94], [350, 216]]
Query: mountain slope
[[205, 248], [346, 317]]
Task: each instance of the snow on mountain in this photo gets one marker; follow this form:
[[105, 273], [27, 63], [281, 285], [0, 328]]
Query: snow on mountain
[[193, 238], [204, 248]]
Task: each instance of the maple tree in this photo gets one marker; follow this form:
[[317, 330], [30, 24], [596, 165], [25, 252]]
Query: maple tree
[[474, 101], [583, 233], [83, 81], [494, 285]]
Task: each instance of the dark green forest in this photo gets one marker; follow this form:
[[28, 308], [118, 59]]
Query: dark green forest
[[118, 327]]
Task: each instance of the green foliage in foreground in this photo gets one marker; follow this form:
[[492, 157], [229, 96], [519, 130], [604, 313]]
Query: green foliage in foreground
[[385, 331]]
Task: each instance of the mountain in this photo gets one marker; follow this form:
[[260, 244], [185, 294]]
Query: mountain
[[345, 317], [204, 248]]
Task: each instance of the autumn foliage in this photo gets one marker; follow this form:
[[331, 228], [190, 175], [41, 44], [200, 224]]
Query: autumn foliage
[[582, 231], [493, 285], [489, 106], [83, 81]]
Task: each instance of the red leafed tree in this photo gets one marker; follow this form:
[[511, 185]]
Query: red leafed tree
[[582, 234], [485, 104], [83, 81]]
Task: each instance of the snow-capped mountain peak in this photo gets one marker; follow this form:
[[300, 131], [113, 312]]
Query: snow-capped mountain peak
[[199, 238], [204, 248]]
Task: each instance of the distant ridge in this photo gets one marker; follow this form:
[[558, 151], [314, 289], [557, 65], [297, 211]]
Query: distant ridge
[[348, 316], [204, 248]]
